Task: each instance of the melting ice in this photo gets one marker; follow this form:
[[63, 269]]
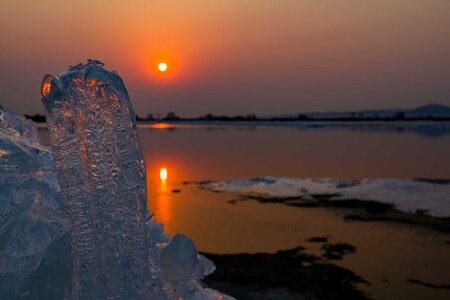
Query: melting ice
[[101, 175], [407, 195]]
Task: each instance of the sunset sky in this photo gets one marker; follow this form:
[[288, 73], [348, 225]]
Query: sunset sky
[[234, 57]]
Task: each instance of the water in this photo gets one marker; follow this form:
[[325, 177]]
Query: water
[[387, 253], [220, 152], [227, 151], [224, 152]]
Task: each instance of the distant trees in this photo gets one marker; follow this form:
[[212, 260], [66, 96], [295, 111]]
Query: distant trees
[[171, 116], [211, 117], [399, 116], [157, 117], [349, 116]]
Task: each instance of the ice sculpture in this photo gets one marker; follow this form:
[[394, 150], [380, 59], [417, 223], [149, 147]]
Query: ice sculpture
[[101, 171]]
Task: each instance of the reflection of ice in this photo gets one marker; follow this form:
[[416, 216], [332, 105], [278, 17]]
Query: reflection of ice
[[407, 194]]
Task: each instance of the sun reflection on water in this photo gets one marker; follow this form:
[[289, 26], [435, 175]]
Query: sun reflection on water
[[164, 212], [163, 174]]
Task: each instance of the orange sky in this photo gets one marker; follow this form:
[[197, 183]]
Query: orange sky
[[235, 57]]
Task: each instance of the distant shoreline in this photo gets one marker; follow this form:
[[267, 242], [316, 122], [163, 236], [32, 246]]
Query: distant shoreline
[[422, 126], [429, 112], [232, 120]]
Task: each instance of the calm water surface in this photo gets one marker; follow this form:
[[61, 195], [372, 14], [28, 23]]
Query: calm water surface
[[224, 152], [196, 152], [387, 254]]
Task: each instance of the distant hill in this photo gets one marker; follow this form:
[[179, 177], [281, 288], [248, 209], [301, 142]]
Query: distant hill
[[425, 111], [434, 110]]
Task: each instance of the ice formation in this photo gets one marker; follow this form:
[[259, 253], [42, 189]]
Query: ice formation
[[101, 171], [32, 215], [35, 234], [408, 195], [35, 259]]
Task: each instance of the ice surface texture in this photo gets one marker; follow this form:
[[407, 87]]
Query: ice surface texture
[[35, 260], [407, 195], [101, 171], [32, 213]]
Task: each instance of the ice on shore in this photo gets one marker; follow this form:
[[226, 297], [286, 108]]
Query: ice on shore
[[32, 212], [407, 195], [101, 171], [35, 260]]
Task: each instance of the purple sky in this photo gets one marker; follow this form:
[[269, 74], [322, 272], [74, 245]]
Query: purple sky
[[235, 57]]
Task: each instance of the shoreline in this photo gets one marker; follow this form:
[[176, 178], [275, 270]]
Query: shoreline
[[357, 257], [360, 210]]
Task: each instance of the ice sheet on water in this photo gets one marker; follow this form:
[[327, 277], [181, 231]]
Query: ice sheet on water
[[406, 194]]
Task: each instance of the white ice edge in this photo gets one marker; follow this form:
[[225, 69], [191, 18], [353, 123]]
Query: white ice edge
[[407, 195]]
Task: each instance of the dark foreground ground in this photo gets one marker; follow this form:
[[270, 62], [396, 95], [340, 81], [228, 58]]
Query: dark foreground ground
[[287, 274], [295, 274]]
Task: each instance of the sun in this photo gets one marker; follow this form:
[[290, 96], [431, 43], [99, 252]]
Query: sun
[[162, 67]]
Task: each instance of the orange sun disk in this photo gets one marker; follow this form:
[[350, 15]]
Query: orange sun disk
[[162, 67]]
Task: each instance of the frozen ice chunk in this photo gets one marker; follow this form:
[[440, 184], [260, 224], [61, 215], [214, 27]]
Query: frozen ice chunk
[[178, 260], [32, 213], [35, 260], [207, 264], [407, 195], [19, 145], [101, 171], [17, 126], [35, 256], [182, 270]]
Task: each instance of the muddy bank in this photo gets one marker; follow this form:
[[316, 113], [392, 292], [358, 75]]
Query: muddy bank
[[358, 210]]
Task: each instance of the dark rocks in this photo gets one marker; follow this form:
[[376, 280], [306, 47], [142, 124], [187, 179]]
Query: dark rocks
[[287, 274], [318, 239], [430, 285], [337, 251]]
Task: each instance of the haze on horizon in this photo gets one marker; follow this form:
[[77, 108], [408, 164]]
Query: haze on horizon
[[235, 57]]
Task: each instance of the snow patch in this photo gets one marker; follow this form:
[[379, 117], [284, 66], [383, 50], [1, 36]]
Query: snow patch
[[407, 195]]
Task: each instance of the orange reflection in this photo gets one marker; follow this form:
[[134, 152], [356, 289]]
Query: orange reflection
[[163, 174], [163, 205], [46, 85], [161, 200], [160, 126]]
